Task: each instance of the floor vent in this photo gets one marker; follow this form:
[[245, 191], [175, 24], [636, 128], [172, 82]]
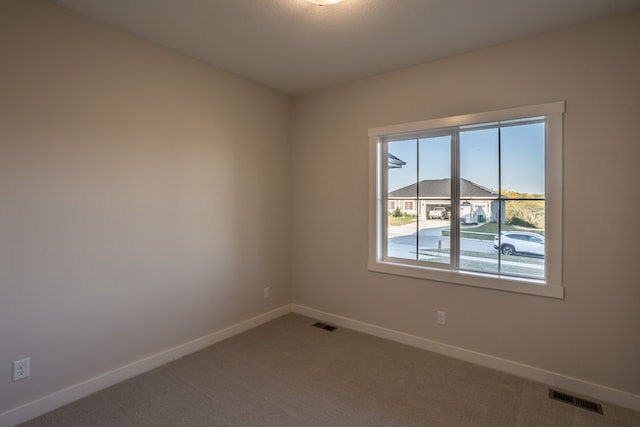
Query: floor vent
[[325, 326], [575, 401]]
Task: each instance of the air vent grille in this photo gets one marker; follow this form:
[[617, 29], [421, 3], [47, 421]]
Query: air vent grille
[[325, 326], [575, 401]]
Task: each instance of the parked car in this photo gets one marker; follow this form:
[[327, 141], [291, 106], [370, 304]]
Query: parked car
[[439, 213], [519, 242]]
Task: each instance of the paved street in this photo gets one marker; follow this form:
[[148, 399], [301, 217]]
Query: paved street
[[404, 239]]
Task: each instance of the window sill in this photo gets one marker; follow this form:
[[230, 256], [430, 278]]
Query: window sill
[[466, 278]]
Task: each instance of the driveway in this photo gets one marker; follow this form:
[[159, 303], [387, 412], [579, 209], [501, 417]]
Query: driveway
[[428, 238], [403, 238]]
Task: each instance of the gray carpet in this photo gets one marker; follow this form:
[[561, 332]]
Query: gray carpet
[[288, 373]]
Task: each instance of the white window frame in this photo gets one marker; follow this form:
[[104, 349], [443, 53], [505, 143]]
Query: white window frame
[[551, 285]]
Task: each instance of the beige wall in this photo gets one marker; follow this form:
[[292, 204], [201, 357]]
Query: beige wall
[[594, 333], [145, 198]]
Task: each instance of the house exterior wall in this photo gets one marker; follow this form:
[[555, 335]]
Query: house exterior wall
[[490, 207]]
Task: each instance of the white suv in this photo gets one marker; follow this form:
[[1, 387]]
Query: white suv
[[524, 242]]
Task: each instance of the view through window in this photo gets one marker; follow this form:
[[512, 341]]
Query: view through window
[[469, 198], [501, 198]]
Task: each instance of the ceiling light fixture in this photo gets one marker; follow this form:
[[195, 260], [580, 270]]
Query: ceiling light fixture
[[324, 2]]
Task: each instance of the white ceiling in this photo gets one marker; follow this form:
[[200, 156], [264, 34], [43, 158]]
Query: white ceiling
[[297, 47]]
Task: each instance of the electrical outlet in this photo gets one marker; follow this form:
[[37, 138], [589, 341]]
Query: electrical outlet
[[441, 317], [267, 292], [21, 369]]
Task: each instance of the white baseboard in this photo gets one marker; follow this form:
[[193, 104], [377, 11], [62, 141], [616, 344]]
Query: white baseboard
[[69, 394], [554, 379]]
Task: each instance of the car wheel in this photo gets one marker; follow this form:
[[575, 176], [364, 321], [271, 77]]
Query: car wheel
[[508, 250]]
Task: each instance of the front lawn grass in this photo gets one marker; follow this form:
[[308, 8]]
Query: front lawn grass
[[400, 220]]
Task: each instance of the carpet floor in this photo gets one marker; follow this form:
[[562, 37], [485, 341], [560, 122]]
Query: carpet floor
[[288, 373]]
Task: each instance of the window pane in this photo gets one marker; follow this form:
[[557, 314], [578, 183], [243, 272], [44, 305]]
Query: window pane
[[402, 173], [521, 242], [477, 234], [479, 199], [522, 161], [434, 193], [479, 171]]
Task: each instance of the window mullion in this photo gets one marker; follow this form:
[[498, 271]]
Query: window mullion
[[417, 200], [382, 195], [502, 202], [455, 200]]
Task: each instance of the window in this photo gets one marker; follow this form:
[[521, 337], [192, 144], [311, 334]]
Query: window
[[485, 195]]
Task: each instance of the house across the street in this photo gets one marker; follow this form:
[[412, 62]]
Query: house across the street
[[479, 204]]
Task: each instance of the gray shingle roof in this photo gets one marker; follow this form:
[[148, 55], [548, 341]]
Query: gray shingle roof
[[441, 188]]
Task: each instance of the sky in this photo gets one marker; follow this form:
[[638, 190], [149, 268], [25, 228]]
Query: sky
[[521, 158]]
